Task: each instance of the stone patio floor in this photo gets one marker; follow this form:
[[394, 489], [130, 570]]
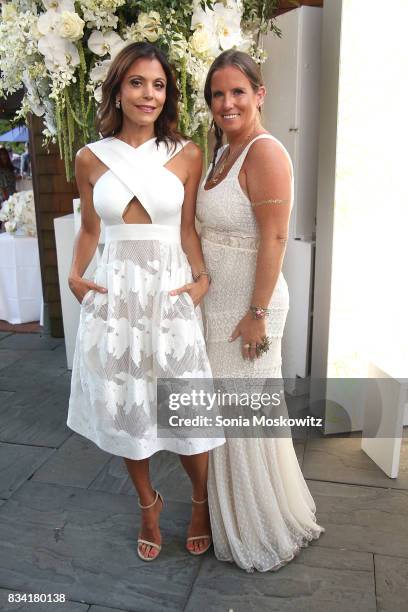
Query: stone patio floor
[[69, 517]]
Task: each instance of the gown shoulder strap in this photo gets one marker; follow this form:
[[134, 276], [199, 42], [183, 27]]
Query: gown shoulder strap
[[102, 150], [238, 164], [173, 150]]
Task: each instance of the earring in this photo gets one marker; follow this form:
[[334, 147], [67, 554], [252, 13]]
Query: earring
[[117, 103]]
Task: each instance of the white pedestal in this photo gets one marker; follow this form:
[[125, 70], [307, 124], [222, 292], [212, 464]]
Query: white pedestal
[[20, 279], [64, 238], [385, 411]]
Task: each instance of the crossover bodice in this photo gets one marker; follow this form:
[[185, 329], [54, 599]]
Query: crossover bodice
[[137, 172]]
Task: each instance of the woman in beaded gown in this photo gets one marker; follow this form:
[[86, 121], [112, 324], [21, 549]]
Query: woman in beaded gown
[[141, 180], [261, 509]]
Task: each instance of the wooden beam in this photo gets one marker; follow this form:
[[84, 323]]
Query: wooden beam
[[290, 5]]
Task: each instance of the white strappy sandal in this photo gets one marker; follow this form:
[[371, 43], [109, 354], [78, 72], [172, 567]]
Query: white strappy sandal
[[141, 540], [200, 537]]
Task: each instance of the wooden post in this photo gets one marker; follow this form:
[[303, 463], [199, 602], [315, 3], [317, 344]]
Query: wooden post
[[53, 197]]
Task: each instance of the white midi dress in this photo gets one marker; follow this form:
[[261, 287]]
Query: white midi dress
[[262, 512], [136, 332]]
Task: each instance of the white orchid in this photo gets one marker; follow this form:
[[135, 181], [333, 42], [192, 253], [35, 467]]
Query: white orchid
[[228, 26], [203, 18], [217, 28], [48, 22], [100, 71], [102, 43], [59, 53], [98, 94], [59, 5], [33, 98]]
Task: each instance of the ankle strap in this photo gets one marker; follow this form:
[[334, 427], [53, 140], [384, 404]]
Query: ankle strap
[[152, 504], [195, 501]]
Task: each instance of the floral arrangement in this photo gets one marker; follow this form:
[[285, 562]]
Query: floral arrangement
[[62, 50], [18, 214]]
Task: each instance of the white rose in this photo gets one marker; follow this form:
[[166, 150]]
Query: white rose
[[8, 12], [149, 25], [200, 42], [71, 26]]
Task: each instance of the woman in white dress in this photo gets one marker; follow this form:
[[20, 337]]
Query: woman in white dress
[[261, 509], [141, 179]]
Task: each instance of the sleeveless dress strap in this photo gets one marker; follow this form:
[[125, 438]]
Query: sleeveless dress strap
[[236, 167], [176, 150]]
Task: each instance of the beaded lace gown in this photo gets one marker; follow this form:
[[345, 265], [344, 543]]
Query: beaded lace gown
[[136, 332], [262, 512]]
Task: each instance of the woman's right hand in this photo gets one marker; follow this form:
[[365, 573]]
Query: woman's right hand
[[80, 286]]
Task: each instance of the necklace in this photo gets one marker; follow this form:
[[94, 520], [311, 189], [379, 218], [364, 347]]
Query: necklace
[[227, 163]]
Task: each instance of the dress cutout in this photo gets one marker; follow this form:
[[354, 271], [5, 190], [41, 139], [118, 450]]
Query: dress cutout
[[136, 332], [261, 509]]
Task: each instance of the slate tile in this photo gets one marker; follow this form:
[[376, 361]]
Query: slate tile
[[103, 609], [391, 577], [317, 579], [35, 369], [5, 397], [8, 357], [166, 471], [36, 417], [83, 543], [299, 446], [32, 342], [342, 460], [4, 334], [76, 463], [17, 463], [67, 606], [370, 519]]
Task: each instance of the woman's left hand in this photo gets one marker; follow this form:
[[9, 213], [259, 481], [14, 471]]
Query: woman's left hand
[[252, 332], [196, 290]]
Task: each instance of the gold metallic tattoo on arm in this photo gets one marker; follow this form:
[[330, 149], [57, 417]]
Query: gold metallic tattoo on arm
[[274, 201]]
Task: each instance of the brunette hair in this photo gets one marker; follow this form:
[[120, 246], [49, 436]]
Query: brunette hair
[[109, 118], [5, 161], [243, 62]]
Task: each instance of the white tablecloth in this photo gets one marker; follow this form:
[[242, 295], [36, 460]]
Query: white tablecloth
[[20, 279]]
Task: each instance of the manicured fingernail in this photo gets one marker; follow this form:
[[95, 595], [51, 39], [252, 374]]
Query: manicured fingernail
[[172, 293], [230, 339]]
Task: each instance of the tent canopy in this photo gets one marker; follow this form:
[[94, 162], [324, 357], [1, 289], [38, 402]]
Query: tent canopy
[[17, 134]]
